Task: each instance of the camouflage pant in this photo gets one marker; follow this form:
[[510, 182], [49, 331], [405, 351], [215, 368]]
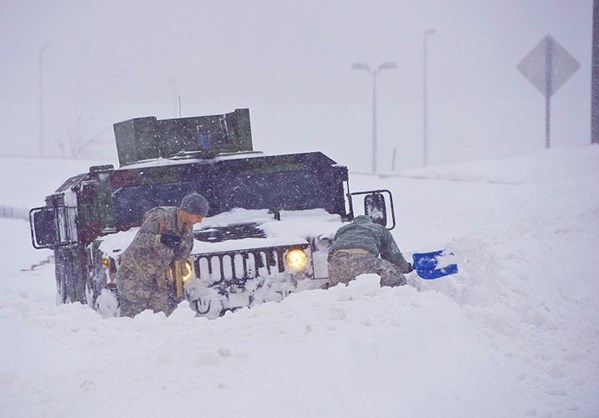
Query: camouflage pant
[[344, 267], [137, 293]]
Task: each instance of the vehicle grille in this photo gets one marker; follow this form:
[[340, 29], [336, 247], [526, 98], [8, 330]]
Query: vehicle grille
[[241, 265]]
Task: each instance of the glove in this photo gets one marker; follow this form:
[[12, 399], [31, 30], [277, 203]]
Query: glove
[[178, 252], [171, 241], [409, 269]]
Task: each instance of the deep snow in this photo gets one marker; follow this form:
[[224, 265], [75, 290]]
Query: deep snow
[[513, 334]]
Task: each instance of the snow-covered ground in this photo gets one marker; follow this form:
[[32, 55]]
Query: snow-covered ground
[[514, 334]]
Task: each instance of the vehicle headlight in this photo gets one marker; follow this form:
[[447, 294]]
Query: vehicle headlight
[[296, 259], [186, 270]]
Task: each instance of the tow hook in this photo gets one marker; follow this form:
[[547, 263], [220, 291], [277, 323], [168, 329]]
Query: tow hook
[[200, 303]]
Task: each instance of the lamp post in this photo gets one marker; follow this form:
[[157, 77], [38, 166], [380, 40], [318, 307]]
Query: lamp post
[[425, 97], [374, 72], [41, 104]]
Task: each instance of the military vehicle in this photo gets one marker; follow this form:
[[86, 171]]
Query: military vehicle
[[271, 221]]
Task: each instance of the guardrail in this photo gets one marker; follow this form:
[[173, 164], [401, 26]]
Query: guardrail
[[14, 213]]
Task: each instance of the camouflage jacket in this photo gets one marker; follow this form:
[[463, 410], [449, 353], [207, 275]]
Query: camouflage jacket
[[364, 234], [146, 248]]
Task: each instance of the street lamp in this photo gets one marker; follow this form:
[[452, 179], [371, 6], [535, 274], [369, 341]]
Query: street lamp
[[41, 104], [425, 97], [383, 66]]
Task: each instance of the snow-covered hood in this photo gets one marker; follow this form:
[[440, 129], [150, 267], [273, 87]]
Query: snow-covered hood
[[293, 228]]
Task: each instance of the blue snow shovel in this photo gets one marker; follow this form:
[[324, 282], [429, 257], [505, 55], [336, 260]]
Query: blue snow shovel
[[425, 265]]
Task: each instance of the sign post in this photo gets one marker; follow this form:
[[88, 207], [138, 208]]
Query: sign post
[[595, 77], [548, 66]]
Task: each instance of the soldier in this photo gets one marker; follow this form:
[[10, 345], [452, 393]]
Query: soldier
[[165, 235], [355, 251]]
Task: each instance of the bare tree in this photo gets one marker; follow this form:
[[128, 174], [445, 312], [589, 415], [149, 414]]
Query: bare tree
[[73, 137]]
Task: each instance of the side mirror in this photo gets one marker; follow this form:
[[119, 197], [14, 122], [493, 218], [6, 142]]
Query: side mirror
[[43, 228], [375, 208]]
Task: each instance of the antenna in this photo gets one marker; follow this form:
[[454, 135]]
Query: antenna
[[179, 105]]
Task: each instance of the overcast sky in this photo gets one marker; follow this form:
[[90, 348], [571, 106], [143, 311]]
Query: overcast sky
[[290, 62]]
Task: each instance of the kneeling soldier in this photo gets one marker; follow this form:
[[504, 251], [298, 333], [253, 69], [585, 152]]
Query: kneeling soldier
[[165, 235], [356, 248]]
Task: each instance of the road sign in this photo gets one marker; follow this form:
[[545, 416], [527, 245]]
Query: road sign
[[548, 66]]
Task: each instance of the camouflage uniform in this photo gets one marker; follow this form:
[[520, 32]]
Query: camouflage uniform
[[344, 266], [355, 251], [140, 278]]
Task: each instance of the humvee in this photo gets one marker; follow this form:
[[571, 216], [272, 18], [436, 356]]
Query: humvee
[[271, 221]]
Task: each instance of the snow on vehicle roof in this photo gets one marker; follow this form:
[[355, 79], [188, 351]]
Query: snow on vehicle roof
[[159, 162]]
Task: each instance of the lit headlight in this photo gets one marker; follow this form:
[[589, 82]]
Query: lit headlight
[[296, 259], [186, 270]]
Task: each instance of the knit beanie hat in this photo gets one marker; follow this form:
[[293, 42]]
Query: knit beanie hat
[[195, 204]]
